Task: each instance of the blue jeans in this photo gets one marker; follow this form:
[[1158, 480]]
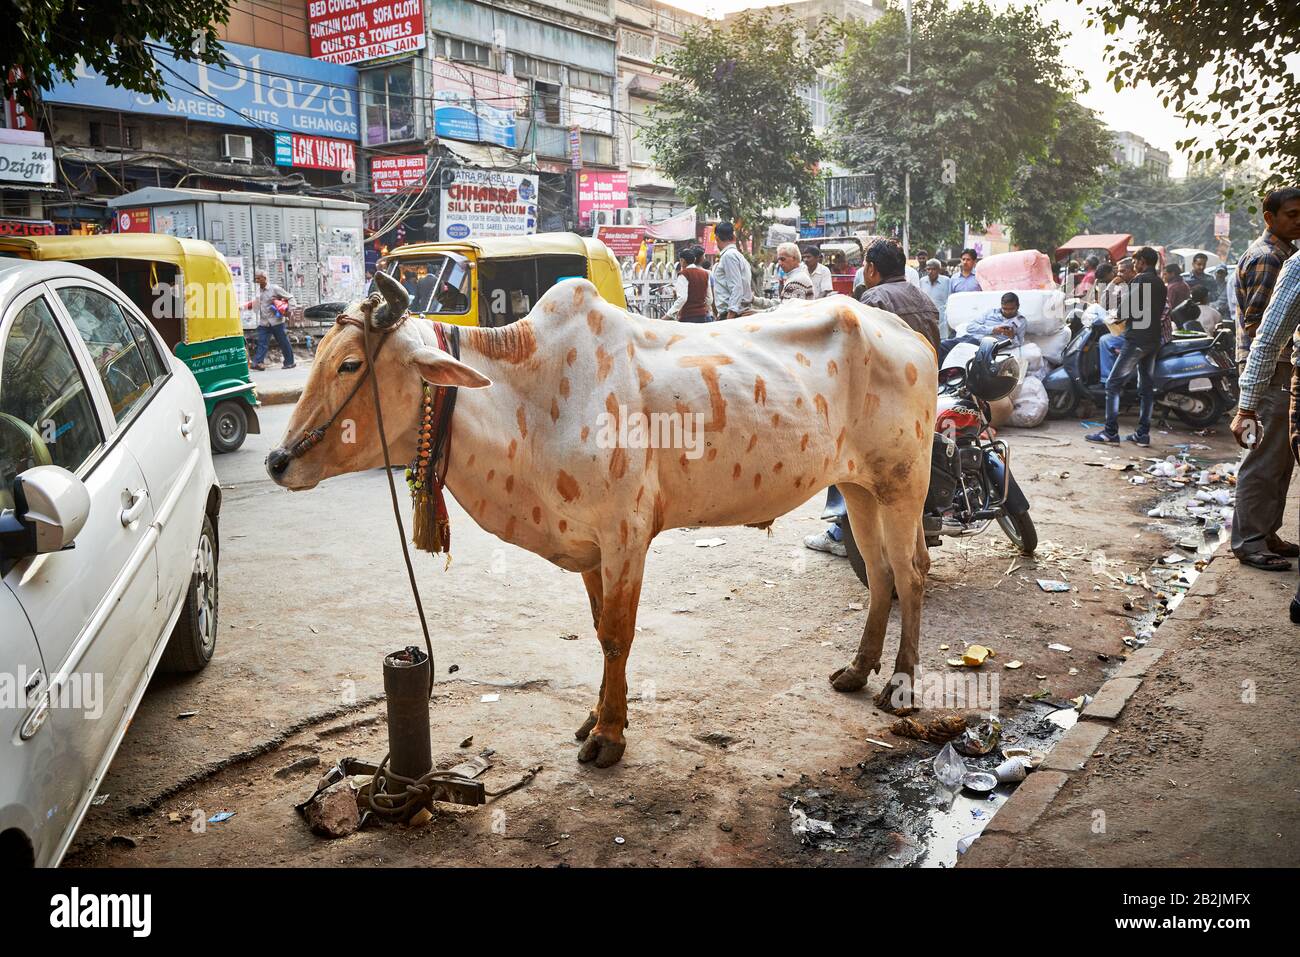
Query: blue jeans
[[264, 334], [1109, 346], [835, 503], [1139, 357]]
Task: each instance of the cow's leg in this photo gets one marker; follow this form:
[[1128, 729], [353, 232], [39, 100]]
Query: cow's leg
[[621, 572], [592, 580], [910, 559], [866, 519]]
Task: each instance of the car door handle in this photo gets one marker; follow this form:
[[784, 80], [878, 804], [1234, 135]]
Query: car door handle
[[134, 510], [36, 717], [187, 423]]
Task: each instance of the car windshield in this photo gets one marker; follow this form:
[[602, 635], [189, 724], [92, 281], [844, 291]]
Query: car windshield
[[438, 285]]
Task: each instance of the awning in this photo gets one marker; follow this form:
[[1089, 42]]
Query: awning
[[675, 229], [30, 188], [483, 156]]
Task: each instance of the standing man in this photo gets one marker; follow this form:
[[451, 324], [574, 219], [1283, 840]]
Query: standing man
[[938, 286], [798, 283], [887, 288], [1225, 300], [694, 300], [1112, 300], [965, 280], [1177, 288], [1199, 277], [1265, 472], [1089, 276], [270, 321], [733, 289], [1143, 309], [817, 272]]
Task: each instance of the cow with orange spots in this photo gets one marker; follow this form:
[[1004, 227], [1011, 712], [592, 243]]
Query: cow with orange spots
[[559, 444]]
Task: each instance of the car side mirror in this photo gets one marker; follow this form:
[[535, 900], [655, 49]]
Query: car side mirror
[[50, 508]]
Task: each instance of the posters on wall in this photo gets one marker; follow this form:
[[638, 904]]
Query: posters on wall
[[622, 240], [393, 174], [600, 190], [351, 31], [474, 105], [135, 220], [257, 88], [480, 203], [313, 152]]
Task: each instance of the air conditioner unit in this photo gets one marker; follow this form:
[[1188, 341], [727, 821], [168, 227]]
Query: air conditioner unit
[[237, 148], [628, 217], [603, 217]]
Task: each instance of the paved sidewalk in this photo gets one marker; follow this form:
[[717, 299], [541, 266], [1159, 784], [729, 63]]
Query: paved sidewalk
[[278, 386], [1189, 755]]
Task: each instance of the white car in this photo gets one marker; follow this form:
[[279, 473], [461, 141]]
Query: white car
[[108, 539]]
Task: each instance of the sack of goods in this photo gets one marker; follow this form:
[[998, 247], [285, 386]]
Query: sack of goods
[[1029, 403], [1043, 309], [1025, 269]]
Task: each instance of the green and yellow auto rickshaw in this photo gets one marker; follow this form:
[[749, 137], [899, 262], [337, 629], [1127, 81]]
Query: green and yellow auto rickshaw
[[496, 281], [184, 287]]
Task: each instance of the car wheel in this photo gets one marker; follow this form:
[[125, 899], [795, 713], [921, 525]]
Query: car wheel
[[194, 639], [228, 427]]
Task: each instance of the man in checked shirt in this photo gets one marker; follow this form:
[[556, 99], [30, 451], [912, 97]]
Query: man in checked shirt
[[1262, 422]]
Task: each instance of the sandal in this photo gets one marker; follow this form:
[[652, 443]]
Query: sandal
[[1264, 561], [1279, 546]]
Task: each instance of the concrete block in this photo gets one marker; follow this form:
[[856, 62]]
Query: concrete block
[[1028, 803], [1112, 697], [1076, 747]]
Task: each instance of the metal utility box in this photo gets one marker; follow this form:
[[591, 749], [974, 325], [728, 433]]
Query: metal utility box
[[309, 245]]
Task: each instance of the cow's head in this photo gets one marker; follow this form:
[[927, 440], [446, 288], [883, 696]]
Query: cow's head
[[405, 353]]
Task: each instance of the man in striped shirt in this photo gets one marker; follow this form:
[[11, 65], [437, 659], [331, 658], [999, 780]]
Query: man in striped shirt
[[1265, 472]]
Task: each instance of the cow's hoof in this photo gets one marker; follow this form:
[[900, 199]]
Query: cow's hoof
[[886, 702], [581, 733], [601, 750], [849, 679]]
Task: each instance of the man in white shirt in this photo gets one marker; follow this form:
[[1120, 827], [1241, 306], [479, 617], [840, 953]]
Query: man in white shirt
[[694, 291], [817, 271], [938, 286], [733, 290]]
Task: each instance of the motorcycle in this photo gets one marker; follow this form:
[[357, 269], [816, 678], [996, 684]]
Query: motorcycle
[[971, 485], [1195, 376]]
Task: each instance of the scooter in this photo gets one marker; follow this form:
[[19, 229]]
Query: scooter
[[1195, 377], [971, 485]]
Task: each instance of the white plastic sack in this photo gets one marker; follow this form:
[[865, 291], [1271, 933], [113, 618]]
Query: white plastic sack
[[1023, 269], [1044, 310], [1032, 357], [1030, 404], [1052, 346]]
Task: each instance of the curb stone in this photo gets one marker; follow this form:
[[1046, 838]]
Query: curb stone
[[1076, 747], [1027, 804], [1111, 698]]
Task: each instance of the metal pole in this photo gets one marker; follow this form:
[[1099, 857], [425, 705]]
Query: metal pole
[[907, 175], [406, 686]]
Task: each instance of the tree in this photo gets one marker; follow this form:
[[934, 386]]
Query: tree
[[730, 128], [117, 38], [1170, 213], [982, 101], [1240, 46], [1049, 196]]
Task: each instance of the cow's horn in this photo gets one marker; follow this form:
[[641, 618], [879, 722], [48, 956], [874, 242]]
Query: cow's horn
[[396, 301]]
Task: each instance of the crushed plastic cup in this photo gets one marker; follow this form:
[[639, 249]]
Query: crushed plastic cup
[[1012, 770]]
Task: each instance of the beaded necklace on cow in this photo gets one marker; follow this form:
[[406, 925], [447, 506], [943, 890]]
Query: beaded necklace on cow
[[426, 476]]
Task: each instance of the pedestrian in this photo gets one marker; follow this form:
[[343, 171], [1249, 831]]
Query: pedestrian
[[965, 280], [272, 303], [1102, 279], [1199, 277], [733, 289], [1176, 285], [1089, 276], [798, 282], [1265, 471], [694, 295], [888, 289], [1142, 312], [938, 286], [817, 272], [1005, 322], [1225, 298]]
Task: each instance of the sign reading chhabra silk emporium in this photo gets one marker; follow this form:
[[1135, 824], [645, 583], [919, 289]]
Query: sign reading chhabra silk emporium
[[257, 88], [350, 31], [480, 203]]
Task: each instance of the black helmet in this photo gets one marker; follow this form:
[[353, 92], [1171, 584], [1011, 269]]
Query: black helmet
[[994, 373]]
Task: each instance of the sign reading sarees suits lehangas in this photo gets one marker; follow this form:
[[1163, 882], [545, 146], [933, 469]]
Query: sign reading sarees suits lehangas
[[258, 88], [349, 31], [313, 152], [480, 202]]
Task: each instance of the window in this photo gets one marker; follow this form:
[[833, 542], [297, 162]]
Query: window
[[125, 357], [387, 113], [46, 413], [814, 98], [546, 102], [588, 80], [638, 46], [438, 285], [463, 51], [529, 66], [638, 121], [112, 136]]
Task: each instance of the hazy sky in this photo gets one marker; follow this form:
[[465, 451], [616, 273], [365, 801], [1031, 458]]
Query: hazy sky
[[1136, 109]]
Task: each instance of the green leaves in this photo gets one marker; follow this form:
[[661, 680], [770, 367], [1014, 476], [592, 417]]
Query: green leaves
[[114, 37]]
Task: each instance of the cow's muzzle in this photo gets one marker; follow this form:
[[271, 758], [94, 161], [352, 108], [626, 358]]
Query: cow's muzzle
[[277, 462]]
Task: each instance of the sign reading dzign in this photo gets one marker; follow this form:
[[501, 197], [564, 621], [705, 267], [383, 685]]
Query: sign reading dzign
[[349, 31], [481, 202]]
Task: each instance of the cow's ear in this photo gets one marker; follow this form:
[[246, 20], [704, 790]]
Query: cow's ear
[[438, 368]]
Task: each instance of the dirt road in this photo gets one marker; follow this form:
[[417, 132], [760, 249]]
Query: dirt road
[[731, 711]]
